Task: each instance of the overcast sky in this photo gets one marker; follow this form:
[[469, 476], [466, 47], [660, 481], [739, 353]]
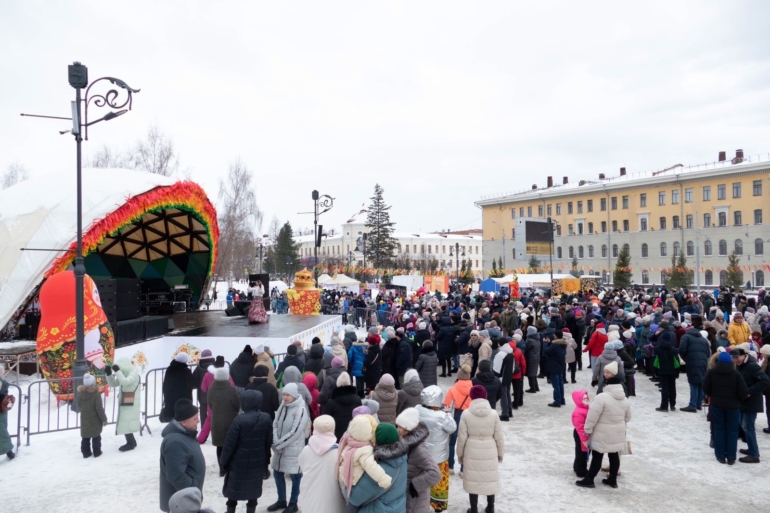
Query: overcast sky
[[440, 102]]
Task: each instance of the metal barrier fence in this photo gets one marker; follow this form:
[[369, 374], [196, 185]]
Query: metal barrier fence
[[48, 416], [366, 317], [15, 413]]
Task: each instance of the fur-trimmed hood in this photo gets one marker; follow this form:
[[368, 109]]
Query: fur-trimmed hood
[[417, 436], [390, 451], [560, 342], [92, 388]]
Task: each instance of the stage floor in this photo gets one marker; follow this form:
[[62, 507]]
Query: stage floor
[[215, 323]]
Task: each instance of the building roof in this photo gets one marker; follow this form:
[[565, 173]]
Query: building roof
[[399, 235], [647, 178]]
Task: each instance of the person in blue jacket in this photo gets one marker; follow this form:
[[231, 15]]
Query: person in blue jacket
[[391, 454], [356, 358]]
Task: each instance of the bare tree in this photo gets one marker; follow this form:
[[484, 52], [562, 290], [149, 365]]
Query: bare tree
[[239, 220], [275, 228], [156, 154], [16, 173], [106, 157]]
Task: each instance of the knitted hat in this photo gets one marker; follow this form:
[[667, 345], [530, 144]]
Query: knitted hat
[[343, 380], [408, 419], [612, 368], [260, 371], [334, 342], [478, 392], [704, 334], [337, 362], [421, 326], [725, 357], [387, 379], [206, 353], [291, 389], [531, 330], [182, 358], [464, 372], [291, 350], [221, 374], [373, 405], [427, 346], [184, 409], [349, 328], [89, 380], [247, 349], [484, 333], [219, 361], [373, 330], [361, 410], [373, 340], [654, 328], [765, 350], [411, 375], [612, 328], [629, 333], [517, 337], [323, 424], [386, 434], [566, 335], [186, 500]]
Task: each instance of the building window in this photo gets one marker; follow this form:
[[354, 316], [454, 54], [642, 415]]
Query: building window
[[580, 228], [603, 204], [625, 225], [662, 198], [625, 201], [721, 191], [590, 251], [590, 205], [738, 247], [677, 248], [645, 250], [707, 220], [521, 211], [580, 207], [627, 248], [690, 248], [643, 200], [722, 278], [709, 278], [513, 213], [604, 226], [643, 224], [663, 251], [580, 251], [614, 226], [722, 219], [558, 252], [737, 190], [558, 230], [688, 221], [615, 251], [614, 203], [757, 187], [738, 218], [675, 197], [477, 263], [549, 210], [571, 252], [707, 193], [558, 209], [604, 251], [529, 211], [569, 230], [645, 277], [513, 233], [759, 279], [675, 222], [540, 211], [663, 276], [759, 247], [477, 248], [722, 247], [569, 207], [662, 223], [590, 227], [758, 216], [707, 248], [688, 195]]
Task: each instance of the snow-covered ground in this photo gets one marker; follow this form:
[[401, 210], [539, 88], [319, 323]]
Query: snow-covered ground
[[673, 468]]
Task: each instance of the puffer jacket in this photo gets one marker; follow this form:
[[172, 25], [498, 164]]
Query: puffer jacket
[[666, 353], [338, 351], [224, 403], [373, 366], [485, 350], [607, 417], [240, 369], [367, 493], [445, 338], [311, 383], [403, 357], [387, 397], [330, 383], [127, 378], [267, 361], [607, 357], [92, 416], [315, 359], [532, 354], [340, 407], [426, 367], [409, 395], [725, 386], [178, 384], [290, 428], [491, 384], [480, 448], [182, 464], [579, 416], [556, 357], [349, 340], [356, 358], [440, 425], [695, 351], [293, 375], [422, 470]]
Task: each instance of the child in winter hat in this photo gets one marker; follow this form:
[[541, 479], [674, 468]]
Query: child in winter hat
[[187, 500], [356, 455], [92, 417]]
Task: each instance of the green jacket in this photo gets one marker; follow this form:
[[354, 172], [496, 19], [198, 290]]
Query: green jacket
[[92, 416]]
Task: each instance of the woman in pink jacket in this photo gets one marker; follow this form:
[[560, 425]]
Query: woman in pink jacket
[[579, 416]]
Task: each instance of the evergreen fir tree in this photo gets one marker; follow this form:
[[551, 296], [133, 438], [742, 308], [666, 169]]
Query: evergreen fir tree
[[494, 268], [534, 264], [285, 256], [574, 270], [680, 275], [734, 276], [621, 276], [500, 266], [380, 243]]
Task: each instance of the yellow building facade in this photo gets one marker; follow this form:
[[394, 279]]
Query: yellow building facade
[[705, 211]]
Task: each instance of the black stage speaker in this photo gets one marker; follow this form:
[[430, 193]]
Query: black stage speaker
[[127, 332], [155, 326], [233, 312]]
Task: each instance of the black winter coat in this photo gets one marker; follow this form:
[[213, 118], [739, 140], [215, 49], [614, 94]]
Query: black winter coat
[[389, 352], [246, 452], [182, 464], [289, 361], [349, 339], [757, 382], [241, 368], [695, 351], [506, 372], [420, 336], [426, 368], [329, 384], [344, 400], [666, 353], [556, 356], [178, 384], [445, 339], [532, 354], [315, 360], [492, 385], [270, 398], [725, 386], [463, 339], [403, 357], [373, 366]]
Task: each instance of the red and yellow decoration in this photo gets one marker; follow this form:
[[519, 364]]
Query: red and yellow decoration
[[304, 298], [56, 350], [185, 195]]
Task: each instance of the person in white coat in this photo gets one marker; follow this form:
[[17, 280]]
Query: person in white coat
[[441, 425], [318, 465], [606, 425], [290, 429]]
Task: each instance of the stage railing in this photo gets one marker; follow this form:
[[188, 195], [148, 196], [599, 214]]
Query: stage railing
[[51, 415], [14, 414]]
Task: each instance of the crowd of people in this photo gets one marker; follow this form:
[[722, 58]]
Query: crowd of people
[[361, 424]]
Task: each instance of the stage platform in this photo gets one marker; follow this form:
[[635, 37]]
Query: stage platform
[[214, 323]]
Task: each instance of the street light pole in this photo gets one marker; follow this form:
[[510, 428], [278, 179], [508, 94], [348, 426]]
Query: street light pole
[[550, 252], [697, 254], [457, 258]]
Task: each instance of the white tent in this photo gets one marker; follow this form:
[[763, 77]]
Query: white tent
[[281, 286], [323, 279], [532, 280], [343, 281]]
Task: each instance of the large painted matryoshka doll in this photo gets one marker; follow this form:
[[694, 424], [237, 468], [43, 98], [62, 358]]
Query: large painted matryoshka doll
[[56, 335]]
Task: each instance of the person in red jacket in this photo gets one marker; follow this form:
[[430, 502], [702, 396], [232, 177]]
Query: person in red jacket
[[517, 380], [595, 346]]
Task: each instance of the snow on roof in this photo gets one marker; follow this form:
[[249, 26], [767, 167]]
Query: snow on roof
[[358, 217]]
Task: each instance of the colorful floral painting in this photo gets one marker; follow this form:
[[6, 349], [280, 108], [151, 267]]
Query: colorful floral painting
[[139, 361], [192, 352]]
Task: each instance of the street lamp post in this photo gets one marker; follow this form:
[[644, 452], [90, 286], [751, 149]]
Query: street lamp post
[[550, 251], [78, 79], [324, 202]]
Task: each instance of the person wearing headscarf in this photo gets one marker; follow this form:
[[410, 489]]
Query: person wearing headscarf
[[441, 426], [318, 465], [409, 395]]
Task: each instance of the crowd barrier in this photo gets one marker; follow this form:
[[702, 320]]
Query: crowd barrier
[[14, 414], [366, 318]]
